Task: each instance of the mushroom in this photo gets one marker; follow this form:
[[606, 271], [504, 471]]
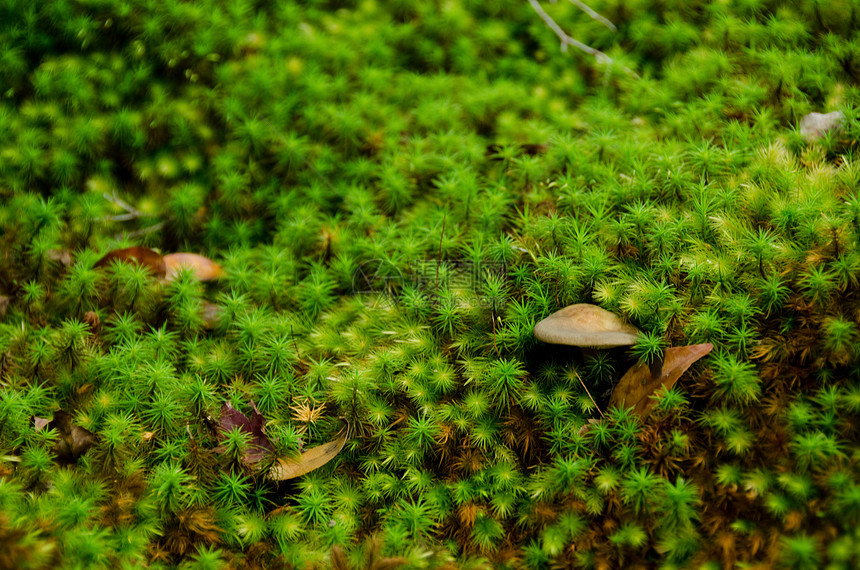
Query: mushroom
[[586, 326], [203, 268]]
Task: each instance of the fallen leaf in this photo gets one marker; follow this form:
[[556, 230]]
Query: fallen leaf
[[144, 256], [74, 440], [312, 458], [211, 314], [4, 305], [204, 268], [635, 387], [231, 418], [586, 427]]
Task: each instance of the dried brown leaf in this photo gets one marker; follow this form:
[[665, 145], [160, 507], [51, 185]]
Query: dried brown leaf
[[313, 458], [254, 427], [144, 256], [635, 387], [73, 440]]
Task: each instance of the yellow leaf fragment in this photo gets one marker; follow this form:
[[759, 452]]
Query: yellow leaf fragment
[[313, 458]]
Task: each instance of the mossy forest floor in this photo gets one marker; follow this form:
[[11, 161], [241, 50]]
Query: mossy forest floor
[[397, 192]]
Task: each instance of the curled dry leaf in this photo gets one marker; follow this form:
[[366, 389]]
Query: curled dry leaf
[[144, 256], [204, 268], [635, 387], [74, 440], [312, 458]]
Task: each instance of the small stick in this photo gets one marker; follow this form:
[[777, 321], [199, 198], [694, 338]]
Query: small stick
[[566, 40], [578, 377], [144, 231], [594, 15], [132, 213]]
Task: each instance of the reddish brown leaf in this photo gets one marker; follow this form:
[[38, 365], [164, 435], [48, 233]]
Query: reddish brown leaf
[[635, 387], [231, 418], [204, 268], [312, 458], [144, 256]]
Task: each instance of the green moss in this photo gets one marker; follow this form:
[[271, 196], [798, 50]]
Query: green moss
[[398, 192]]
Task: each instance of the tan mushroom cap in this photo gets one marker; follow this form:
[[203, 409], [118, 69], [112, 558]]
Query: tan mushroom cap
[[204, 268], [586, 325]]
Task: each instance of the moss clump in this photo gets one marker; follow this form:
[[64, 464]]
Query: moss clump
[[397, 193]]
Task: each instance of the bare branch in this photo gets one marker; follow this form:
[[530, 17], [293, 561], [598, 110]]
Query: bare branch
[[594, 15], [566, 40], [140, 232], [132, 213]]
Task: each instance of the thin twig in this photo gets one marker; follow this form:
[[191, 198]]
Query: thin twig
[[566, 40], [142, 231], [132, 213], [594, 15], [578, 377]]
